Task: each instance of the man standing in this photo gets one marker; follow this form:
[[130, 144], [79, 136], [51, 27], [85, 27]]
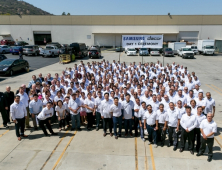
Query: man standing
[[3, 109], [98, 101], [188, 123], [19, 114], [208, 128], [136, 115], [128, 114], [151, 124], [74, 106], [105, 114], [117, 112], [9, 96], [173, 118], [210, 104], [35, 107], [142, 112]]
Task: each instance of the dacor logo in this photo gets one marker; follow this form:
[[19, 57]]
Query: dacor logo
[[153, 38]]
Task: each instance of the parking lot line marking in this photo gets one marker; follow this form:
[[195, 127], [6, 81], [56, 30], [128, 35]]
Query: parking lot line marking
[[218, 142], [54, 150], [217, 87], [136, 154], [4, 133], [146, 162], [220, 136], [214, 89], [152, 157], [64, 150]]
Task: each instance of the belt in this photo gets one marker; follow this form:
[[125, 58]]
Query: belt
[[152, 125]]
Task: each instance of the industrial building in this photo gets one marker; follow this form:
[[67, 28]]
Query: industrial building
[[108, 30]]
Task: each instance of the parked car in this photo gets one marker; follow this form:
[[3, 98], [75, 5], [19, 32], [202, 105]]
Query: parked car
[[143, 51], [54, 44], [10, 66], [119, 49], [94, 53], [21, 43], [154, 51], [131, 51], [4, 49], [50, 51], [79, 49], [2, 57], [168, 52], [31, 50], [7, 42], [15, 49], [185, 52]]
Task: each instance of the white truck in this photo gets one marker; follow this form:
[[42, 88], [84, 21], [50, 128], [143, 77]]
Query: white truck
[[206, 47], [50, 50], [176, 46], [186, 52], [193, 48]]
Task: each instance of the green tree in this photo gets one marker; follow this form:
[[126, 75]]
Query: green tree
[[63, 13], [68, 13]]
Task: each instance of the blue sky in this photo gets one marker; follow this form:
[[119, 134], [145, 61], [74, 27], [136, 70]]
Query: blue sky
[[130, 7]]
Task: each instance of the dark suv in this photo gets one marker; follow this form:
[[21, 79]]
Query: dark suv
[[94, 53], [79, 49], [168, 52]]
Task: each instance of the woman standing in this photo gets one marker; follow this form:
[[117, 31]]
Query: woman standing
[[90, 110], [60, 112], [83, 114]]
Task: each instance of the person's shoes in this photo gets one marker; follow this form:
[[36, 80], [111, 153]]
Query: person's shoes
[[181, 149], [191, 151], [131, 135], [9, 123], [148, 142], [174, 148], [111, 134], [88, 129], [5, 125], [79, 129], [199, 154], [19, 138], [155, 145], [143, 139], [169, 145], [46, 134], [104, 134], [54, 134], [116, 137], [120, 135], [97, 128], [209, 159], [162, 144], [72, 129], [125, 134], [36, 128], [24, 136]]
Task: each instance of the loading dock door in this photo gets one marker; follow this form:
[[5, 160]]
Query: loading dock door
[[42, 37]]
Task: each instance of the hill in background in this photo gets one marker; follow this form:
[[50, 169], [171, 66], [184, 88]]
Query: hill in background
[[15, 7]]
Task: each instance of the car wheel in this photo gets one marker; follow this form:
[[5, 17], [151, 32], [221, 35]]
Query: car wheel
[[26, 54], [182, 57], [53, 55], [27, 69], [11, 73]]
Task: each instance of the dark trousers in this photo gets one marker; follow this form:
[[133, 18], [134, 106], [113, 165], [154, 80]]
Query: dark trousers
[[128, 126], [173, 136], [107, 122], [117, 120], [5, 117], [142, 131], [98, 118], [62, 123], [209, 142], [136, 123], [90, 119], [184, 136], [196, 134], [152, 134], [20, 125], [8, 113], [42, 124], [161, 134], [67, 118]]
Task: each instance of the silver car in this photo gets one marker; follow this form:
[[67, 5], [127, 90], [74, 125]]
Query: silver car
[[31, 50], [154, 51], [143, 51], [4, 49]]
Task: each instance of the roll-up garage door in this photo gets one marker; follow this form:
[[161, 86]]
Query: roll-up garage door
[[42, 37]]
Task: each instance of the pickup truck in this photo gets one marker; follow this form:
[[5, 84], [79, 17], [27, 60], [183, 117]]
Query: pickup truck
[[185, 52], [49, 50]]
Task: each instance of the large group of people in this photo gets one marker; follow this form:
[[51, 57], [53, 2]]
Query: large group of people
[[160, 100]]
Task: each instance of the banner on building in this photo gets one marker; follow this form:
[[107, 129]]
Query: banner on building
[[142, 41]]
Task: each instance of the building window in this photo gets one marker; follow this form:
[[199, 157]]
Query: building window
[[88, 36]]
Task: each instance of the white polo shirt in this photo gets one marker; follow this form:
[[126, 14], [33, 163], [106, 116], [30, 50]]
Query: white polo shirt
[[90, 103], [155, 105], [181, 111], [60, 110], [136, 106], [24, 98], [36, 107], [98, 103], [188, 122], [56, 98], [166, 104], [194, 110], [142, 112], [127, 109], [18, 110], [151, 117], [172, 117], [208, 127], [116, 110], [209, 105], [189, 99], [162, 116], [182, 99], [196, 92], [200, 102], [200, 118], [45, 113], [74, 104], [105, 108]]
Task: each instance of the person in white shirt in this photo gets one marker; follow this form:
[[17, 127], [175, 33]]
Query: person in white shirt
[[210, 104], [154, 103], [200, 101], [116, 110], [67, 111], [208, 128], [128, 114], [60, 113], [142, 112], [106, 115], [173, 118], [200, 117], [43, 119], [98, 101], [35, 107], [136, 115], [188, 123], [197, 90], [19, 114], [25, 100], [74, 106], [162, 124], [151, 124], [90, 110], [181, 97], [82, 109]]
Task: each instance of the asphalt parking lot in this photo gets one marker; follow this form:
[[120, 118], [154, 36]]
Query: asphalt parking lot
[[73, 150]]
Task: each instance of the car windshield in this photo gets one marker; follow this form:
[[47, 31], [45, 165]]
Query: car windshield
[[168, 49], [187, 49], [209, 47], [6, 63], [143, 49], [193, 47], [131, 49], [16, 47], [28, 47], [49, 47]]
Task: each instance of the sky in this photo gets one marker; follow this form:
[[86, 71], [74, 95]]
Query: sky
[[130, 7]]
